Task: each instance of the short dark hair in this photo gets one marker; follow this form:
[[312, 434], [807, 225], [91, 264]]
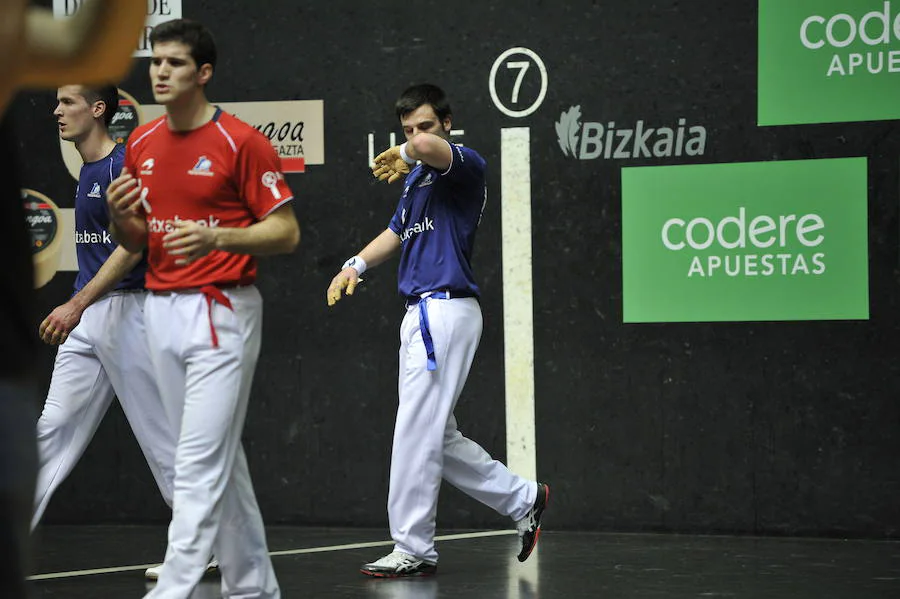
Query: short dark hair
[[424, 93], [108, 94], [190, 33]]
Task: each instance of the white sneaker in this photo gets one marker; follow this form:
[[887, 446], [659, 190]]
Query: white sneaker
[[398, 564], [153, 573]]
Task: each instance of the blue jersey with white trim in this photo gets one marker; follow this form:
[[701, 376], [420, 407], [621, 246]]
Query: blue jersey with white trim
[[93, 244], [436, 220]]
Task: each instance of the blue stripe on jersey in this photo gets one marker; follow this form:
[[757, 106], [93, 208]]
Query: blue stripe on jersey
[[93, 244], [436, 219]]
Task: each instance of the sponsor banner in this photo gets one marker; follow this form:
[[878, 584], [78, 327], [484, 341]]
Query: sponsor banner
[[296, 128], [51, 231], [826, 61], [746, 241], [158, 11], [618, 140]]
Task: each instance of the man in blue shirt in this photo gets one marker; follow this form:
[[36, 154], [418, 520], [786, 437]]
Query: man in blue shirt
[[434, 230], [100, 329]]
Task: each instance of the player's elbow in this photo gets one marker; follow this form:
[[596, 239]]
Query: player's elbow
[[292, 238], [430, 149], [422, 145]]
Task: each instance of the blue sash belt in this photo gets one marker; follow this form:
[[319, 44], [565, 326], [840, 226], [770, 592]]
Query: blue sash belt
[[423, 317]]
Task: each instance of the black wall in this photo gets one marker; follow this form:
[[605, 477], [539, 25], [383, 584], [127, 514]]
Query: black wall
[[785, 428]]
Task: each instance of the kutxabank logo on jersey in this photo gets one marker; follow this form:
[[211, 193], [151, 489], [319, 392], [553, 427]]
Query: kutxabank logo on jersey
[[616, 141], [823, 61], [745, 242]]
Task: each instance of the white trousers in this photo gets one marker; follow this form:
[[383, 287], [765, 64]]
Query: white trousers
[[106, 355], [205, 391], [427, 445]]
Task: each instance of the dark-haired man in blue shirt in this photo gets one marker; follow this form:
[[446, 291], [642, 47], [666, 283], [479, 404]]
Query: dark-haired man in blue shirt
[[434, 229]]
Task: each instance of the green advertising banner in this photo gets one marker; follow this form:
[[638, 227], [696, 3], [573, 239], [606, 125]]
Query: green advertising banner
[[828, 61], [745, 241]]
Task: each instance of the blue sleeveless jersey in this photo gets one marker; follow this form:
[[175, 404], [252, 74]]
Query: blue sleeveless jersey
[[436, 220], [93, 243]]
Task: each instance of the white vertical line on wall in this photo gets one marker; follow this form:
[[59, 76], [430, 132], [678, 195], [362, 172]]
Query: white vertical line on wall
[[370, 143], [518, 312]]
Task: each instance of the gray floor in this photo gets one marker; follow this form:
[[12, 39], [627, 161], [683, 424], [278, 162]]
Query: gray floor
[[323, 563]]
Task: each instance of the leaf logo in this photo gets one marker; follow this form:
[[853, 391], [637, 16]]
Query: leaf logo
[[567, 128]]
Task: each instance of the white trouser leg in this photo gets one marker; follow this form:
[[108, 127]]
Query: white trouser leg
[[469, 468], [427, 399], [78, 398], [241, 542], [206, 391], [105, 355], [123, 350]]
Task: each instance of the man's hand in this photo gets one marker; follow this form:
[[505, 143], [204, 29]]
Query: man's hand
[[190, 241], [123, 196], [345, 281], [390, 166], [55, 329]]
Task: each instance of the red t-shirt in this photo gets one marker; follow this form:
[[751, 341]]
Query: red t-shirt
[[222, 174]]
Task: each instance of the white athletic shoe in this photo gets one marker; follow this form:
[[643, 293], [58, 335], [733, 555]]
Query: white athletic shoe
[[153, 573], [398, 564]]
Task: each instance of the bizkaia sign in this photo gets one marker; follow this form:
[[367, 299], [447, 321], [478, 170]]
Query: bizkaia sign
[[746, 241], [618, 140], [826, 61]]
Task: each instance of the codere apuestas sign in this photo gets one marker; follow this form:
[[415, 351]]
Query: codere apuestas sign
[[826, 61], [746, 241]]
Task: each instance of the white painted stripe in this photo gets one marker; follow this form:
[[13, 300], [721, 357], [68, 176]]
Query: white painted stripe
[[467, 535], [518, 312], [94, 572], [325, 549]]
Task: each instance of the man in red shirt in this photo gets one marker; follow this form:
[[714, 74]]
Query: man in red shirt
[[204, 193]]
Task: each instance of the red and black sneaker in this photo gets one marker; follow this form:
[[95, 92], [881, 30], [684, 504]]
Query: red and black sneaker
[[529, 527]]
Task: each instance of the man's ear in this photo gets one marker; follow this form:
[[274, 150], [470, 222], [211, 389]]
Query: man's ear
[[205, 73]]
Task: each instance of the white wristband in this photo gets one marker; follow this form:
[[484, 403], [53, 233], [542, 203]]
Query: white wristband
[[404, 155], [356, 263]]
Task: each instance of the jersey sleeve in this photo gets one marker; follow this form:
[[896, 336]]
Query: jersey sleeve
[[467, 167], [396, 224], [260, 180]]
